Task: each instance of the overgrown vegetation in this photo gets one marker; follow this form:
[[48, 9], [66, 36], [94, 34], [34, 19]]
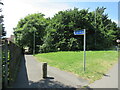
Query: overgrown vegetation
[[2, 28], [97, 62], [56, 34], [27, 27]]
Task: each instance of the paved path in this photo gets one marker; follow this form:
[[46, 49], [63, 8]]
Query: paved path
[[108, 81], [30, 76]]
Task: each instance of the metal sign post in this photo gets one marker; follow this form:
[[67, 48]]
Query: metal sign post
[[82, 32], [84, 49]]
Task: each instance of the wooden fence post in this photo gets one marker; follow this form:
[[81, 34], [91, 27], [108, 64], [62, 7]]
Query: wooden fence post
[[0, 65], [44, 67], [6, 63]]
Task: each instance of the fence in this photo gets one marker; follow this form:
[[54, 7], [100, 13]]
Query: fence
[[11, 57], [0, 65]]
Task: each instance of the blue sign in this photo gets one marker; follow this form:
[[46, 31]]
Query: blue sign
[[79, 32]]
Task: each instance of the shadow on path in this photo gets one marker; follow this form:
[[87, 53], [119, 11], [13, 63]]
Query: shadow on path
[[22, 80], [48, 83]]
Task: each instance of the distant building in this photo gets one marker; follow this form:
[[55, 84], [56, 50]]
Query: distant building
[[12, 37]]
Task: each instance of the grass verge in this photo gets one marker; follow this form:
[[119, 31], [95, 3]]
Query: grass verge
[[97, 62]]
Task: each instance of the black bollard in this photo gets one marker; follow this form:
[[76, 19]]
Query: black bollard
[[44, 70]]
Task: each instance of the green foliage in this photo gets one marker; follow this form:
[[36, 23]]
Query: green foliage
[[2, 28], [63, 24], [31, 25], [56, 34]]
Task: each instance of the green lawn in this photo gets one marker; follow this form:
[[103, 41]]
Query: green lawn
[[97, 62]]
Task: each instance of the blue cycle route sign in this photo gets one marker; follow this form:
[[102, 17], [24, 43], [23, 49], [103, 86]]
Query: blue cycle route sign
[[82, 32], [79, 32]]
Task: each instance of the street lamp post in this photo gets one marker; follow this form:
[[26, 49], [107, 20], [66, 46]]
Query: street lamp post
[[34, 44], [95, 28]]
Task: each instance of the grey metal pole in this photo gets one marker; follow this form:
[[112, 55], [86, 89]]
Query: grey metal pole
[[84, 49], [95, 28], [34, 44]]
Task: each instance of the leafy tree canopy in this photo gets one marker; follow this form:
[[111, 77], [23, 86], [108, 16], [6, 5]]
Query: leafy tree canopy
[[29, 26], [2, 28], [57, 33], [100, 34]]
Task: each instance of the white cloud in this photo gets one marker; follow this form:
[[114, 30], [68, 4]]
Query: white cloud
[[49, 9], [116, 21], [14, 10], [77, 0], [94, 0], [38, 1], [119, 23]]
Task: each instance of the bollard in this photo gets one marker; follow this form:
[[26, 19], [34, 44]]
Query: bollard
[[44, 67]]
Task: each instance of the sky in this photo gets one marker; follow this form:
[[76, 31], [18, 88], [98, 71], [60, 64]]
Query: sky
[[14, 10]]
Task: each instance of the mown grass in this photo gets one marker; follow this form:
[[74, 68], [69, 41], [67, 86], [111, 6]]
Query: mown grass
[[97, 62]]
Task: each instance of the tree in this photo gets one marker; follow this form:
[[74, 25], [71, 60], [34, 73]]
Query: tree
[[29, 26], [105, 30], [56, 34], [63, 24], [2, 28], [62, 27]]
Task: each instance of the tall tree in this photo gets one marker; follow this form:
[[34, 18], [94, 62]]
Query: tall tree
[[65, 22], [30, 29], [2, 28], [57, 33]]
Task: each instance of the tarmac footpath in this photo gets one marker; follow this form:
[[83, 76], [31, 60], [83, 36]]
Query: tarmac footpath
[[30, 76]]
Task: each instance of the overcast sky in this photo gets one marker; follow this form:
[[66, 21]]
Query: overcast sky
[[14, 10]]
